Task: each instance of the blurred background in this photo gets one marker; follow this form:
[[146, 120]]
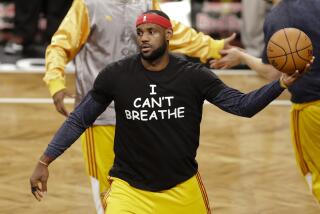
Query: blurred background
[[217, 18]]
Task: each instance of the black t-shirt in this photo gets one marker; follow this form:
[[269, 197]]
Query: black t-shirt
[[165, 110], [158, 117], [304, 15]]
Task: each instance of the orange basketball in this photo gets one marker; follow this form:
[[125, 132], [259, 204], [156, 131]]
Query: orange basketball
[[289, 49]]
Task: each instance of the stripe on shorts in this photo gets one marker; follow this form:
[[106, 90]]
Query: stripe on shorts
[[296, 132], [92, 166], [95, 167], [204, 193], [105, 199], [88, 152]]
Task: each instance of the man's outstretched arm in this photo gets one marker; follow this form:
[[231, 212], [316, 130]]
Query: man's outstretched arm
[[247, 105]]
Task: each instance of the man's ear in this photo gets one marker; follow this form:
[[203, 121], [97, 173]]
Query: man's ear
[[169, 34]]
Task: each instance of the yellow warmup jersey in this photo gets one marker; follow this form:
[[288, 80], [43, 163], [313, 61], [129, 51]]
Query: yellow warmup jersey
[[87, 32]]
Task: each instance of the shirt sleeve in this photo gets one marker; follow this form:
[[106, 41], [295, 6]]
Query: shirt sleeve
[[65, 44], [78, 121], [188, 41], [235, 102], [247, 105], [103, 87]]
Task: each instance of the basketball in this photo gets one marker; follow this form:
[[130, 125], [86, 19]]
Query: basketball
[[289, 49]]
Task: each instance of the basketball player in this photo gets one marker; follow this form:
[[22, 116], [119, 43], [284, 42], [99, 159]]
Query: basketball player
[[305, 111], [158, 101], [93, 34]]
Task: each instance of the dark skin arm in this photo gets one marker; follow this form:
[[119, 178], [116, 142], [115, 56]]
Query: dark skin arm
[[235, 56], [82, 117], [39, 178]]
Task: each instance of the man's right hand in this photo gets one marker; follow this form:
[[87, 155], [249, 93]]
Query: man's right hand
[[39, 176], [58, 100], [289, 79]]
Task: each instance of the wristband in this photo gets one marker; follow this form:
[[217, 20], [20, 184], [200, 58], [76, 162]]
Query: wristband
[[282, 84], [43, 163]]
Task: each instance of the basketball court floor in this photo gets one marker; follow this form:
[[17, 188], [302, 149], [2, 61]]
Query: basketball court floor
[[247, 165]]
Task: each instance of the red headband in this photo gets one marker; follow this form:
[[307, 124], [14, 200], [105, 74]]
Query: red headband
[[153, 19]]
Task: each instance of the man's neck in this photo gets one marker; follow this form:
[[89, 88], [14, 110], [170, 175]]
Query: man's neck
[[156, 65]]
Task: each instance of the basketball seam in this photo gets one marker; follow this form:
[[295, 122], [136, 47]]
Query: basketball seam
[[290, 48], [296, 46], [289, 53], [301, 49], [279, 47], [282, 55], [304, 48], [301, 56]]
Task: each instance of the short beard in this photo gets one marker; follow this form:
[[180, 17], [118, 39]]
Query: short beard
[[156, 54]]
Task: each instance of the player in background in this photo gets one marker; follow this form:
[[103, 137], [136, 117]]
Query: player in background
[[305, 94]]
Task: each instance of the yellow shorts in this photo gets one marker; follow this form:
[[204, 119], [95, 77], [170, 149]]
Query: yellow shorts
[[188, 197], [97, 147], [305, 131]]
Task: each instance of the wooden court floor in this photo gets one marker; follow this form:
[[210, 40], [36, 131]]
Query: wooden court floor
[[247, 165]]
